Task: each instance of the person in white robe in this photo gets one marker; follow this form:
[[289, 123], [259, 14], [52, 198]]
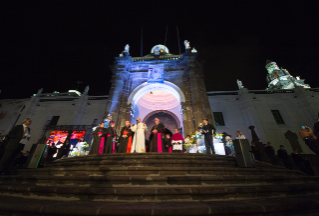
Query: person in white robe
[[139, 137]]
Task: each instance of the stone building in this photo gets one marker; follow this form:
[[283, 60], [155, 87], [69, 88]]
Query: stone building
[[171, 87]]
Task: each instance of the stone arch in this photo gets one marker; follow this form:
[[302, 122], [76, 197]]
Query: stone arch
[[179, 125], [146, 87], [167, 118]]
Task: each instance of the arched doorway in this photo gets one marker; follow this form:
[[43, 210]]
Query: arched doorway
[[157, 100], [169, 119]]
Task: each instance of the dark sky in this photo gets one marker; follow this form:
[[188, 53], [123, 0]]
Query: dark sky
[[53, 44]]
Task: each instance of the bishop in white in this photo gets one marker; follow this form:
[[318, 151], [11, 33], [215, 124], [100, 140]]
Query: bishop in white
[[139, 137]]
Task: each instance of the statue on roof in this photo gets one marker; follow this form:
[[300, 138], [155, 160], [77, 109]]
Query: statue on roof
[[240, 84], [194, 50], [39, 91], [127, 48], [86, 90], [187, 44], [156, 50]]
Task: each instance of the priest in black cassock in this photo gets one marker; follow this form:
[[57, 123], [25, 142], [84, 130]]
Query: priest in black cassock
[[126, 138], [98, 140], [208, 130], [109, 146], [157, 143]]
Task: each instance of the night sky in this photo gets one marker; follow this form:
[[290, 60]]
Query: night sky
[[54, 44]]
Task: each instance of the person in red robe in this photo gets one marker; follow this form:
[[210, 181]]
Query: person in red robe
[[177, 139], [126, 138]]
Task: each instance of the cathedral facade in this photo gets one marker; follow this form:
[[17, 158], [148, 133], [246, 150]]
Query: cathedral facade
[[172, 88]]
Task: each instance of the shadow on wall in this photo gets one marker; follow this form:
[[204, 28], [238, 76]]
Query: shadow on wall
[[293, 140]]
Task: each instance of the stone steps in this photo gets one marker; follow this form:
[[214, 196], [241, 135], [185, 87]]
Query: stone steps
[[147, 162], [156, 160], [155, 184], [148, 181], [297, 206], [159, 194], [149, 170]]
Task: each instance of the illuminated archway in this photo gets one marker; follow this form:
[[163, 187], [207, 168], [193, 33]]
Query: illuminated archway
[[148, 99], [145, 88]]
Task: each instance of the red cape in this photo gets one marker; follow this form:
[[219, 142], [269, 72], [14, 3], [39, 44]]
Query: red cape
[[177, 136]]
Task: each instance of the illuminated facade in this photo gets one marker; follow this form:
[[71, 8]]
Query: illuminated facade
[[162, 85], [171, 87]]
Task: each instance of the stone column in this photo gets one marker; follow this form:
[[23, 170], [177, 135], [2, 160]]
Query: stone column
[[187, 118], [194, 88], [79, 110], [301, 96], [248, 110], [32, 106], [207, 112]]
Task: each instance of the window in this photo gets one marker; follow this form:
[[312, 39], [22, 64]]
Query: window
[[54, 120], [277, 117], [219, 119]]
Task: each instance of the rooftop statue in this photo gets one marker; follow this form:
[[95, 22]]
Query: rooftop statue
[[86, 90], [156, 50], [194, 50], [127, 48], [187, 44], [40, 91], [240, 84], [271, 66]]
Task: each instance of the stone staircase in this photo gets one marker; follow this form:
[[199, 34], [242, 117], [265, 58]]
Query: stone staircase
[[157, 184]]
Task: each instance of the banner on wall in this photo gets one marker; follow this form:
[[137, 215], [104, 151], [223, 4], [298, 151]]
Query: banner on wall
[[59, 137], [156, 73]]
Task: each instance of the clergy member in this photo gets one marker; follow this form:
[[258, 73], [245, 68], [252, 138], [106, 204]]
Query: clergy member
[[208, 130], [157, 138], [177, 142], [139, 137], [98, 140], [109, 146], [126, 138]]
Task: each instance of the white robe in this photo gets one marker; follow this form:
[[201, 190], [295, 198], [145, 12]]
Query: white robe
[[139, 138]]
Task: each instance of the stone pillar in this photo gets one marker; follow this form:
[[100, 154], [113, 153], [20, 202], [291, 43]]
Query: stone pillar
[[80, 107], [119, 78], [301, 96], [207, 113], [249, 112], [32, 106], [187, 118], [194, 89]]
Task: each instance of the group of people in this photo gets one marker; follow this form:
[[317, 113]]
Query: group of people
[[132, 139]]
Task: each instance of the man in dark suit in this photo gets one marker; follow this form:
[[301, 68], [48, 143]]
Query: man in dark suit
[[207, 130], [15, 144]]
